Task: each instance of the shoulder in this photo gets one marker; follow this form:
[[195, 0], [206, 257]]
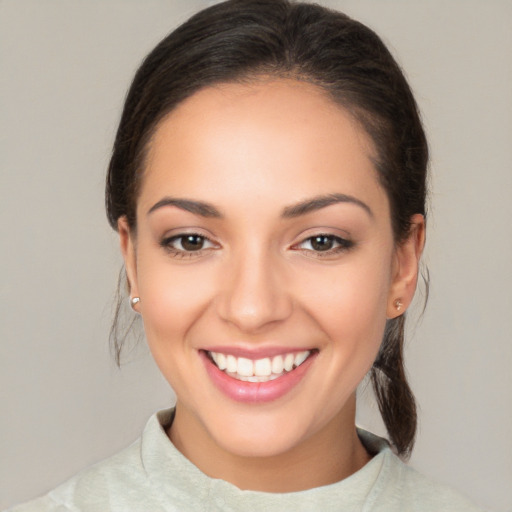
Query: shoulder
[[43, 504], [94, 487], [398, 487], [120, 483], [401, 487]]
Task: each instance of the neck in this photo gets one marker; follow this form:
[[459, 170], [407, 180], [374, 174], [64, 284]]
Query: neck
[[328, 456]]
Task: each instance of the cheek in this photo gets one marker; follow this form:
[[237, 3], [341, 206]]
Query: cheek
[[351, 292], [350, 306], [172, 298], [172, 301]]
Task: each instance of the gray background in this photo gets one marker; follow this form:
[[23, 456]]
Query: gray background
[[64, 69]]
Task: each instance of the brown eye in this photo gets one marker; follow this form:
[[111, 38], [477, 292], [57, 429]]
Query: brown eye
[[192, 242], [187, 243], [322, 243], [325, 245]]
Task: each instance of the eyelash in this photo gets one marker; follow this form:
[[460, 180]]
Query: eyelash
[[167, 244], [342, 245]]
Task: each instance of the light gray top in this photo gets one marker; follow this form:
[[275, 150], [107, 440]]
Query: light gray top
[[152, 475]]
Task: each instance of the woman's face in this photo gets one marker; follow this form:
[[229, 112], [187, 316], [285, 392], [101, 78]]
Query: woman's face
[[264, 241]]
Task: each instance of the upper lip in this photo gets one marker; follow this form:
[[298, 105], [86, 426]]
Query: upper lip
[[256, 352]]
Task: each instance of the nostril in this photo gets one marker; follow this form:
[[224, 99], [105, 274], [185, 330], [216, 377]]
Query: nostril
[[253, 294]]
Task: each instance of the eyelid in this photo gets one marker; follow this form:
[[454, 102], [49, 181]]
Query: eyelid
[[344, 244], [167, 240], [184, 235]]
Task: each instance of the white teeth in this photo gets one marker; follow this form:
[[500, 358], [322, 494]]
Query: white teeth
[[260, 370], [288, 362], [263, 367], [277, 364], [221, 361], [301, 357], [245, 367], [231, 364], [254, 378]]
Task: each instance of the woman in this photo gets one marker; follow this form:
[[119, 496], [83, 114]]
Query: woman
[[268, 186]]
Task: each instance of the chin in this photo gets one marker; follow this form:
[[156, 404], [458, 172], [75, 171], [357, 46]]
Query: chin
[[260, 435], [258, 446]]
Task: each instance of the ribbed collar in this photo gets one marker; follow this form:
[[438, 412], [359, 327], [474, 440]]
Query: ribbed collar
[[180, 485]]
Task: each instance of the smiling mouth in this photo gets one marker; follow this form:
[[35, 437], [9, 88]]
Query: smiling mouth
[[259, 370]]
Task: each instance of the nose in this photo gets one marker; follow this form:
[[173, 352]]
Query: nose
[[254, 293]]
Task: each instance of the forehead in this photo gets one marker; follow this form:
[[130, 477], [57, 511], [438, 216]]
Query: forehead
[[283, 136]]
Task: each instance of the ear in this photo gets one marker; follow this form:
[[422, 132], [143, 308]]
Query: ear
[[127, 243], [406, 268]]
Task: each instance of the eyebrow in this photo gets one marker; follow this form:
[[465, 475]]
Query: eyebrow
[[319, 202], [197, 207], [205, 209]]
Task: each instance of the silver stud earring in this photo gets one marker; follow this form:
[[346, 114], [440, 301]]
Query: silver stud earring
[[133, 301], [398, 304]]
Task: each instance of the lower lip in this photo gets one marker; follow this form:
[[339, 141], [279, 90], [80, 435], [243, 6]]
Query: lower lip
[[256, 392]]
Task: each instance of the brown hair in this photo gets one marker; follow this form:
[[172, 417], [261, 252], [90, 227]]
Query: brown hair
[[241, 39]]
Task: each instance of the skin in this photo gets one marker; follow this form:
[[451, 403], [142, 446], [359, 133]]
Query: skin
[[251, 151]]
